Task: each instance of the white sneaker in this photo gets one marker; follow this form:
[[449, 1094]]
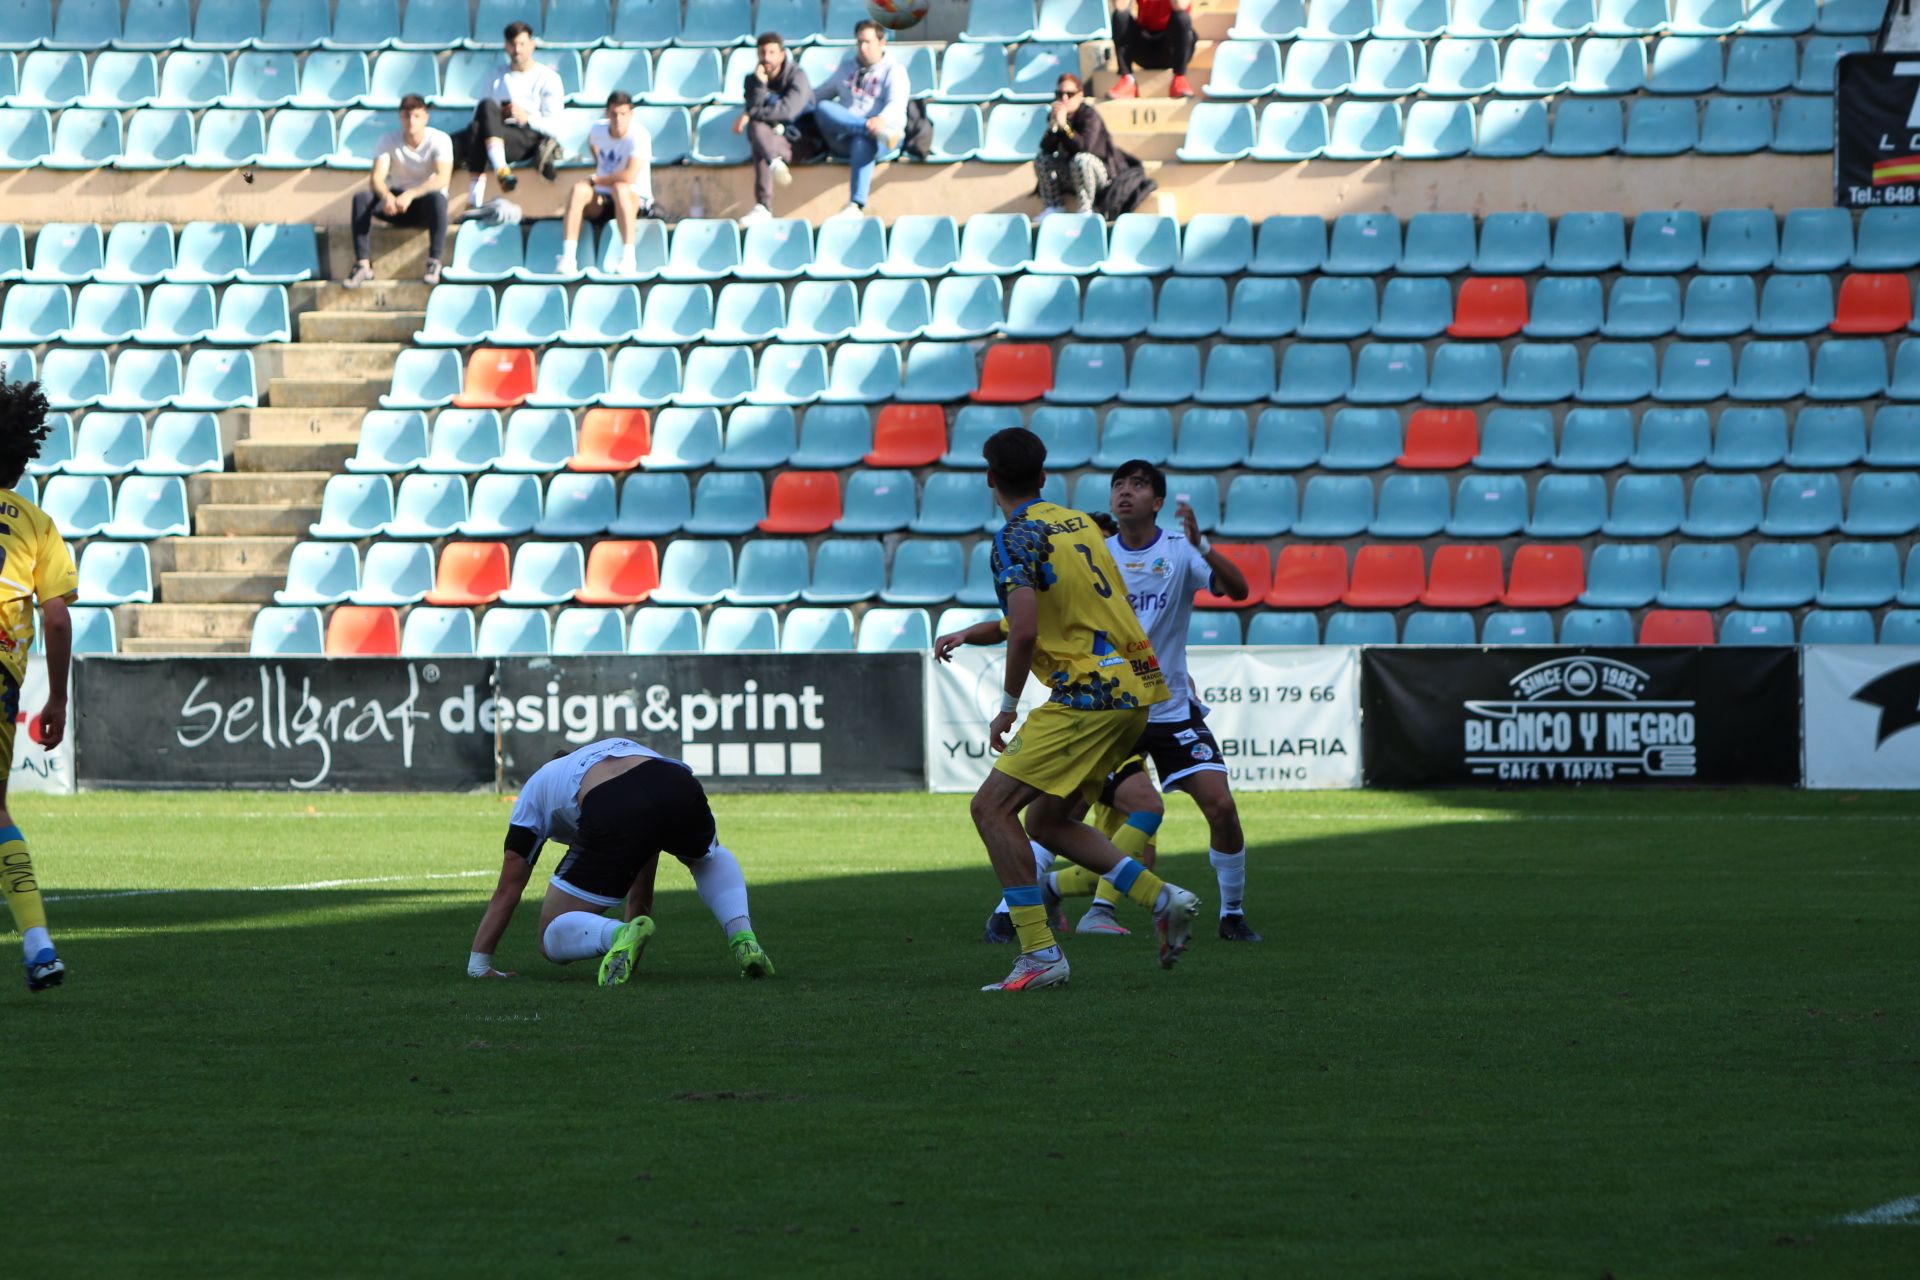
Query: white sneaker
[[1101, 920], [629, 264], [564, 265], [1030, 974], [758, 215], [781, 174], [1175, 924], [851, 211], [1048, 212]]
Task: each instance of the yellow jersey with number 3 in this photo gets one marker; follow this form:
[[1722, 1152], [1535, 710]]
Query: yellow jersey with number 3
[[1091, 649], [34, 564]]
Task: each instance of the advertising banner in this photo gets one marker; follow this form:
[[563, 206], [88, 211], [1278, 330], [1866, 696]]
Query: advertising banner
[[34, 767], [1286, 719], [1535, 716], [363, 724], [1876, 159], [761, 722], [1862, 709]]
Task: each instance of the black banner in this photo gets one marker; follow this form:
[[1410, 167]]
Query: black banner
[[1531, 717], [364, 724], [744, 722], [1876, 158]]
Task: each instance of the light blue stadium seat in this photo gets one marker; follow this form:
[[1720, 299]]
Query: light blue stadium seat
[[354, 507], [1259, 506], [85, 138], [978, 591], [703, 249], [1719, 306], [1860, 575], [1849, 369], [425, 506], [1815, 240], [69, 379], [584, 630], [391, 441], [1588, 243], [610, 68], [26, 137], [819, 311], [261, 81], [1488, 507], [1802, 505], [1116, 307], [1217, 132], [142, 380], [1244, 69], [1268, 20], [893, 311], [330, 80], [971, 427], [817, 631], [395, 574], [999, 21], [287, 632], [926, 572], [1795, 305], [866, 373], [1886, 240], [1289, 245], [1437, 131], [121, 81], [320, 573], [148, 507], [536, 440], [848, 249], [545, 573], [1411, 506], [1586, 128], [36, 313], [114, 573], [281, 253], [1264, 307], [1572, 506], [732, 629], [1268, 627], [502, 506], [1291, 131], [973, 73], [1071, 21], [877, 501], [108, 444], [1213, 627], [1740, 242], [1735, 126], [1210, 439], [1622, 576], [440, 24], [397, 74], [966, 307], [1237, 374], [1464, 373], [1362, 628], [1518, 627], [1883, 505], [1314, 373], [675, 314], [364, 24], [1749, 439], [80, 506], [1070, 435], [1134, 433], [1142, 244], [507, 632], [1595, 440], [1512, 244], [1362, 440], [1780, 575], [1389, 68], [1664, 243], [1088, 373], [1463, 67], [105, 315], [714, 376], [694, 572], [1685, 65], [1836, 626], [1163, 373], [652, 505], [958, 132], [1760, 64], [1721, 506], [1335, 507], [51, 79], [181, 314], [938, 371], [1511, 129], [748, 313], [846, 571], [1804, 127], [1618, 373], [1364, 131], [1906, 372], [1486, 18], [1013, 133], [1340, 307], [1895, 441], [1070, 244], [727, 504], [894, 631], [1565, 307], [1701, 576], [1425, 627], [183, 444], [431, 631], [1695, 372], [581, 506], [1850, 17], [530, 315], [1819, 61], [759, 437], [1542, 373], [157, 139], [464, 442], [1900, 626], [1661, 127], [27, 24], [1037, 66], [1515, 440], [684, 439], [1646, 506], [658, 630], [953, 503], [1536, 68]]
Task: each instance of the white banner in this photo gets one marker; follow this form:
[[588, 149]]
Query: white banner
[[1286, 719], [1861, 710], [34, 767]]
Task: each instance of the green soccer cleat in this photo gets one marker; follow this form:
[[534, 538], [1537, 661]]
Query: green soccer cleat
[[747, 954], [629, 943]]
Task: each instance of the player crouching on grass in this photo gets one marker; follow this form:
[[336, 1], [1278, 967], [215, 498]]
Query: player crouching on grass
[[616, 804], [1067, 624], [34, 562]]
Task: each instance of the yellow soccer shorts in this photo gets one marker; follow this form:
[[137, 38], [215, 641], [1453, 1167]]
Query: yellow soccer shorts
[[1069, 753], [10, 681]]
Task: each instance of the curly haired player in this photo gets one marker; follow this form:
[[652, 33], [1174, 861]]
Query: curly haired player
[[34, 563]]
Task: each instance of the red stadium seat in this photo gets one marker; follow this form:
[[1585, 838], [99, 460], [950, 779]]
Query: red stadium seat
[[1490, 307], [1873, 304], [1386, 577], [1463, 578], [1676, 626], [497, 378], [908, 435], [1015, 372], [1440, 439], [363, 631], [1307, 577], [620, 573], [1546, 577], [802, 502], [470, 573], [1253, 560], [612, 440]]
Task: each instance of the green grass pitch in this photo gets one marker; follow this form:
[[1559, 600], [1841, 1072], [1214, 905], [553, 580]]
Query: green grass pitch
[[1490, 1035]]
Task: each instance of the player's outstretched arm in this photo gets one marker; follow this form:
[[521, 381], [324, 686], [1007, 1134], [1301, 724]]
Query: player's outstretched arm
[[1023, 630], [1226, 574], [514, 873], [979, 633], [640, 897], [57, 631]]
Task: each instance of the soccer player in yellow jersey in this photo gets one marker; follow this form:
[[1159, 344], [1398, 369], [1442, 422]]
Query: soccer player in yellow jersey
[[1066, 622], [34, 562]]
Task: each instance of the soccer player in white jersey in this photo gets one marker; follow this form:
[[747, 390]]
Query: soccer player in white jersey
[[621, 187], [617, 805]]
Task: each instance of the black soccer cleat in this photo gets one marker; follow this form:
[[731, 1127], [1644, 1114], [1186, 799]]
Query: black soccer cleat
[[999, 928], [1234, 928], [549, 157], [44, 971]]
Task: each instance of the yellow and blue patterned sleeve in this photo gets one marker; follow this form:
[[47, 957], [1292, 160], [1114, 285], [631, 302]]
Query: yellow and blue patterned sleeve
[[1021, 551], [54, 575]]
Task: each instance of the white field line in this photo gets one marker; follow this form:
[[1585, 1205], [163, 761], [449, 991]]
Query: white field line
[[1431, 819], [306, 887], [1896, 1213]]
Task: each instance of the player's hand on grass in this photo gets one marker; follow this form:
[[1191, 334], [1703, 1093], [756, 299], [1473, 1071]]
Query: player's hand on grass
[[997, 730], [492, 972], [53, 724]]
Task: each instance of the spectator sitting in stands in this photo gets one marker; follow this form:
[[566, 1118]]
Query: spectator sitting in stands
[[1077, 154], [621, 187], [519, 113], [777, 96], [408, 188], [861, 110], [1156, 35]]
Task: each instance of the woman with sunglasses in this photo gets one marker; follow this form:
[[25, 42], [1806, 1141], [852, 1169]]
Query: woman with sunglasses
[[1078, 155]]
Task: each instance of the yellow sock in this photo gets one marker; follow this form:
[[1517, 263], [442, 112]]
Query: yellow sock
[[18, 883], [1030, 924], [1074, 881], [1105, 819], [1103, 891], [1130, 877]]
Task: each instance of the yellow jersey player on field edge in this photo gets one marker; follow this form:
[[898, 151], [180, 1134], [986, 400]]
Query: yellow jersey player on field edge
[[1068, 621], [34, 562]]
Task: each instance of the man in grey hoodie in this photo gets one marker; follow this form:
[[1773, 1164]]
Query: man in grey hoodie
[[777, 95]]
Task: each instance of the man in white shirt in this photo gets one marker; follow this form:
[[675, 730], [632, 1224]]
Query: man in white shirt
[[621, 187], [408, 188], [616, 804], [518, 116], [861, 110]]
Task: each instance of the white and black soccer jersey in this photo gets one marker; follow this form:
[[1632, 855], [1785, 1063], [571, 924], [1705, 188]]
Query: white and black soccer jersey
[[1161, 578], [549, 805]]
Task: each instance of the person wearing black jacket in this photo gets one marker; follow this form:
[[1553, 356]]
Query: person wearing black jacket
[[1078, 155], [777, 95]]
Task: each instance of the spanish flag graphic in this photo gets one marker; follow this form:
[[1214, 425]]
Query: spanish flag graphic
[[1899, 169]]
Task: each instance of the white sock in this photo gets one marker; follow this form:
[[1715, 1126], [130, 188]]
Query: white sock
[[1231, 870], [569, 252], [578, 935], [496, 153], [477, 190], [34, 941], [722, 887], [629, 258], [1042, 857]]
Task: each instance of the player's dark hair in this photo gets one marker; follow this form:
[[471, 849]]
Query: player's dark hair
[[412, 102], [769, 37], [619, 98], [868, 24], [1145, 470], [516, 29], [23, 425], [1018, 460]]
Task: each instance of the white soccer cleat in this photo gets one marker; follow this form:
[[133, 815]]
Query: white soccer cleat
[[1101, 920], [1175, 924], [1030, 974]]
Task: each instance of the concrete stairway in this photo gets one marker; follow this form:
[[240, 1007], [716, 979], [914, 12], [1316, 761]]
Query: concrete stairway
[[247, 520]]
